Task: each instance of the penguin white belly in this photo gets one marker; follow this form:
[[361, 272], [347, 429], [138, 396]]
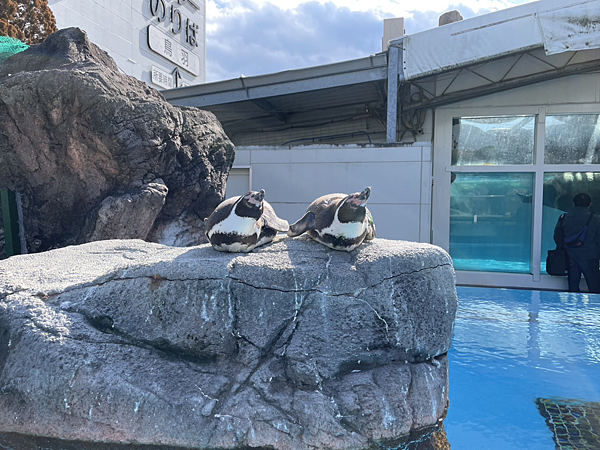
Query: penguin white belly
[[233, 224], [235, 227], [341, 236], [350, 230]]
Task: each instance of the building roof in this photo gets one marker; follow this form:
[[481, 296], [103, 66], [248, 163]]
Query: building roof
[[485, 54], [303, 97], [556, 25]]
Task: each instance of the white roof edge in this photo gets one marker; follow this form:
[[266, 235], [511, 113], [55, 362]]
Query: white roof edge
[[545, 23], [373, 63], [495, 17]]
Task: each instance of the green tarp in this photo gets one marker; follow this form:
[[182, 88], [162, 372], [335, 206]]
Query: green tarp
[[9, 46]]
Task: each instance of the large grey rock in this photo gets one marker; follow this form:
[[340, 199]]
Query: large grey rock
[[79, 140], [129, 216], [293, 346]]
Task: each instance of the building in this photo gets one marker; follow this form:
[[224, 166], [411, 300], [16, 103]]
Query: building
[[161, 42], [474, 135]]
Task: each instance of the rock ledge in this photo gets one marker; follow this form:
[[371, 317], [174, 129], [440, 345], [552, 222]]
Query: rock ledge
[[293, 346]]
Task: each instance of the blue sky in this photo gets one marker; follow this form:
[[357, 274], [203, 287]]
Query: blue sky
[[254, 37]]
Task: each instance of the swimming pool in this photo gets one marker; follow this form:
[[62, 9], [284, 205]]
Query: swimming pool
[[516, 354]]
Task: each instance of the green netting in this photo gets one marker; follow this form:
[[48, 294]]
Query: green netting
[[9, 46], [574, 423]]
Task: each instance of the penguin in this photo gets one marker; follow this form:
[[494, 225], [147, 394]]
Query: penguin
[[339, 221], [242, 223]]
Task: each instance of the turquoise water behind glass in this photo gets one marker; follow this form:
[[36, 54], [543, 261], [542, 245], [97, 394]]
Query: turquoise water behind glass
[[491, 222], [511, 347]]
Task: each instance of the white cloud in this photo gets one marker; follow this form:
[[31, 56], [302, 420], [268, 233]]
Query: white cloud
[[383, 6], [254, 37]]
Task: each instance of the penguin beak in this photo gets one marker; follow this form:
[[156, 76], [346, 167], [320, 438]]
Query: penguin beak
[[360, 198], [364, 195]]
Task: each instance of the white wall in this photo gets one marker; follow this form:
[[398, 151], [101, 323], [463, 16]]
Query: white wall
[[400, 178], [119, 27]]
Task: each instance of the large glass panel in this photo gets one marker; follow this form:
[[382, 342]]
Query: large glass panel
[[490, 221], [559, 190], [493, 140], [572, 139]]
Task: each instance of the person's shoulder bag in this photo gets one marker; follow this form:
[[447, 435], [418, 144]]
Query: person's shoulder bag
[[577, 239], [556, 261]]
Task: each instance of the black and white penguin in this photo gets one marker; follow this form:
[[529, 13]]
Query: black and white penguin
[[239, 224], [339, 221]]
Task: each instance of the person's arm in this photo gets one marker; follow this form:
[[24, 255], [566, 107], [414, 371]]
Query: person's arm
[[559, 232]]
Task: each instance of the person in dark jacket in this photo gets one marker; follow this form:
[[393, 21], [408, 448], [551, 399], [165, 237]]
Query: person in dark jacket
[[584, 259]]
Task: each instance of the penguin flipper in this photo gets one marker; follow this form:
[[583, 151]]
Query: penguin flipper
[[270, 219], [306, 223], [267, 234], [371, 233]]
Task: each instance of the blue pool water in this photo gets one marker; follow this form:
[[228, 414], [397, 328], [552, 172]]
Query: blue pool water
[[511, 347]]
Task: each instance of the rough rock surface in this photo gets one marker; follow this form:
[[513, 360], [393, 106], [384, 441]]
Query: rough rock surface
[[79, 141], [293, 346]]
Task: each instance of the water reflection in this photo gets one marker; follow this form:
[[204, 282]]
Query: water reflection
[[510, 348]]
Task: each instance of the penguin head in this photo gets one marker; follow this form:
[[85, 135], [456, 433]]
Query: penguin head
[[353, 207], [251, 204], [359, 199]]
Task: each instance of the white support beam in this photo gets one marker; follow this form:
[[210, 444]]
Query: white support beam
[[392, 95]]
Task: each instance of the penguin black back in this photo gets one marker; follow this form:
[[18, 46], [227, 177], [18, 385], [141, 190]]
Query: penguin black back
[[339, 221]]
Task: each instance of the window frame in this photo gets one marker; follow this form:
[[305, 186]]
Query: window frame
[[442, 170]]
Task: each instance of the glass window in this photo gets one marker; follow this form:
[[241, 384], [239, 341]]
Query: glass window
[[572, 139], [493, 140], [490, 221], [559, 190]]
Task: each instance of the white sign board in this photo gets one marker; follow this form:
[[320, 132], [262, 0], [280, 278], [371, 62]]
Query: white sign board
[[175, 52], [161, 78]]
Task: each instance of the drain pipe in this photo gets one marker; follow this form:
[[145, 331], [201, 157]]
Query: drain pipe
[[395, 55]]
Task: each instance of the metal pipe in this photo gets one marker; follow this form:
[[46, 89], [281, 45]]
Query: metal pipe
[[392, 95]]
